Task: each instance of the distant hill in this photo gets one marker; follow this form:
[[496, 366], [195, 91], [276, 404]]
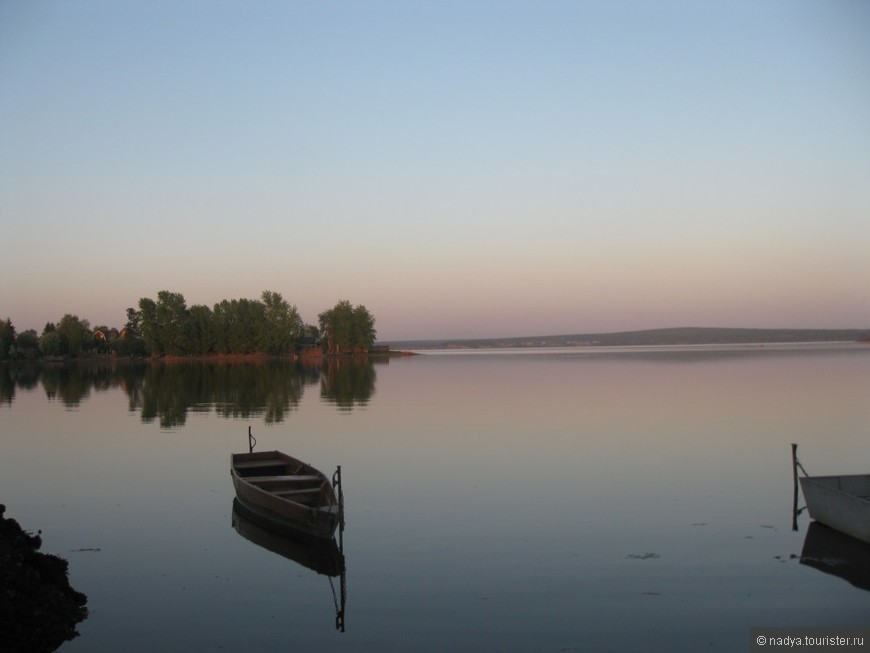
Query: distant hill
[[675, 336]]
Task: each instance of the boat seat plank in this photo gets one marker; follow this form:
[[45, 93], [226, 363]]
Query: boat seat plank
[[288, 493], [295, 478], [254, 464]]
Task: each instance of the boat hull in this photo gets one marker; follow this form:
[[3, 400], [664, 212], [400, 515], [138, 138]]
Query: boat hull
[[320, 555], [285, 494], [840, 502]]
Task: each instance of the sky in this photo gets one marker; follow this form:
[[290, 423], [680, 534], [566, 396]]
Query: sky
[[463, 168]]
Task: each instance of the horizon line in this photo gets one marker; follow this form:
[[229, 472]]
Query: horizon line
[[697, 329]]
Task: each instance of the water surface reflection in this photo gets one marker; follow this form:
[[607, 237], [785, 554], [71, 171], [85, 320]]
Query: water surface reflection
[[837, 554], [167, 392], [514, 502], [324, 557]]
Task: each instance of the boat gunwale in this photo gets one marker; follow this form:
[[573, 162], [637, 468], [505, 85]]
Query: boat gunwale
[[820, 482]]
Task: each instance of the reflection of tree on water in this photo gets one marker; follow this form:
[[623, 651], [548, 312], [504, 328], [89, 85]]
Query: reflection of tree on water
[[21, 375], [7, 386], [234, 390], [348, 382], [267, 389], [65, 384], [165, 395], [167, 391], [129, 379], [71, 384]]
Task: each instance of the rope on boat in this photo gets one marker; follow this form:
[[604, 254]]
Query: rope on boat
[[795, 462], [800, 467]]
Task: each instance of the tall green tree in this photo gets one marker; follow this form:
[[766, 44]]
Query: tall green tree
[[281, 325], [75, 335], [134, 317], [150, 327], [163, 324], [335, 327], [249, 325], [27, 343], [238, 325], [172, 319], [7, 339], [347, 329], [49, 342], [364, 332], [221, 318], [199, 329]]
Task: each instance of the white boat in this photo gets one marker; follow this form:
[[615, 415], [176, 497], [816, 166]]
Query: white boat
[[840, 502]]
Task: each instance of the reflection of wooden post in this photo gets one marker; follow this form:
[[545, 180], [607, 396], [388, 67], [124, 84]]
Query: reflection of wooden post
[[339, 489], [336, 484], [794, 471]]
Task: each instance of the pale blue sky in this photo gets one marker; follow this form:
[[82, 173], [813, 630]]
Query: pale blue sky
[[464, 169]]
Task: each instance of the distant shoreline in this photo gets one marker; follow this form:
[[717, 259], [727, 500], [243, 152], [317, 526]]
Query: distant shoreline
[[647, 337]]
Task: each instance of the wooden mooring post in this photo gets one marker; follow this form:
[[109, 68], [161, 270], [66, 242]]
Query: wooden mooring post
[[339, 489], [795, 466], [794, 470]]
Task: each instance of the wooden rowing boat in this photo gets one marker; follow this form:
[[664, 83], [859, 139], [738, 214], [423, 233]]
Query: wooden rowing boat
[[840, 502], [284, 493]]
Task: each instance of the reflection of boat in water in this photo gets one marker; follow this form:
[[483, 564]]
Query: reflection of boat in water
[[840, 502], [837, 554], [287, 493], [322, 556]]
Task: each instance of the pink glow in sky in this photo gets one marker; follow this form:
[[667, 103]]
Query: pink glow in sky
[[463, 170]]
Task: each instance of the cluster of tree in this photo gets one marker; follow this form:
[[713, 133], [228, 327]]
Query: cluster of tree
[[70, 336], [347, 329], [8, 340], [167, 326], [239, 326]]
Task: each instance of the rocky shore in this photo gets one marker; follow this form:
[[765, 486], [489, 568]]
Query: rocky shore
[[39, 610]]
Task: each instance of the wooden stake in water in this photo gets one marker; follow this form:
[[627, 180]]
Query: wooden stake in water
[[252, 441], [794, 470]]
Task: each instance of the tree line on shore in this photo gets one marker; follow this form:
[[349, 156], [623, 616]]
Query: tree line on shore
[[167, 326]]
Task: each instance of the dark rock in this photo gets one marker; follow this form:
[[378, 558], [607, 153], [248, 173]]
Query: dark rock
[[39, 610]]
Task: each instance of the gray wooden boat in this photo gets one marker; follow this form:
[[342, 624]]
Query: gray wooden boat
[[286, 493], [840, 502]]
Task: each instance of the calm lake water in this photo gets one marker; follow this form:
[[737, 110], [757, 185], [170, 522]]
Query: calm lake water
[[555, 500]]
